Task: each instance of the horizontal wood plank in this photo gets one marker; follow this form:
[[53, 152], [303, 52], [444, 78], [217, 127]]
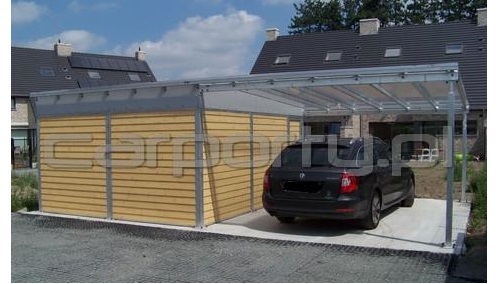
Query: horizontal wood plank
[[151, 219], [170, 207]]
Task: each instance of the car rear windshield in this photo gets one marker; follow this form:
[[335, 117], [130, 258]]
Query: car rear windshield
[[314, 156]]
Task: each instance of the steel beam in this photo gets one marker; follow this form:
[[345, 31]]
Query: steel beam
[[423, 90], [377, 75], [390, 95], [358, 96]]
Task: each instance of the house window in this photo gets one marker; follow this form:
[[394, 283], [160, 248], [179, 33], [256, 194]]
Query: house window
[[333, 56], [13, 103], [282, 59], [392, 52], [134, 77], [454, 48], [94, 74], [47, 72], [333, 128]]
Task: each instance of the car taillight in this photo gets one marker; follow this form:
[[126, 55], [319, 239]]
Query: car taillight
[[266, 181], [349, 182]]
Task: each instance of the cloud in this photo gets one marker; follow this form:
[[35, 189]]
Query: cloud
[[77, 7], [280, 2], [80, 40], [201, 47], [25, 12]]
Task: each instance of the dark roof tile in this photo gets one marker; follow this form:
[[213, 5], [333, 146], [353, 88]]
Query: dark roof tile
[[420, 44], [27, 78]]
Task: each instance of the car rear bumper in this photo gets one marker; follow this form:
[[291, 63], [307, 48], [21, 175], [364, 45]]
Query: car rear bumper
[[339, 209]]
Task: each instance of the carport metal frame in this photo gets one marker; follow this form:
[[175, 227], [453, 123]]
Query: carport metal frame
[[293, 94]]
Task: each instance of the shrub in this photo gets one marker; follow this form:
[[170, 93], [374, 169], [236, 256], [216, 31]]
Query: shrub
[[24, 192], [478, 186], [457, 173]]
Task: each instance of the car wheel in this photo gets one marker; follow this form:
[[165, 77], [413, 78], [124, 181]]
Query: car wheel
[[286, 220], [410, 199], [373, 217]]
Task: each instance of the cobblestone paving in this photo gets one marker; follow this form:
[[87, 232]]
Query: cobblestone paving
[[51, 249]]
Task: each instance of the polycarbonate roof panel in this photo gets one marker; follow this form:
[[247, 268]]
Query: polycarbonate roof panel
[[404, 90]]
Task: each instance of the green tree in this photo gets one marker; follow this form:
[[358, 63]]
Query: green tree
[[349, 14], [316, 16], [423, 12], [456, 10], [389, 12], [321, 15]]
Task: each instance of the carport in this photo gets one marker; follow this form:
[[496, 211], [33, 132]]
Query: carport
[[253, 106]]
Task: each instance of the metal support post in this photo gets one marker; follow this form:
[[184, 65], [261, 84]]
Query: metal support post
[[199, 161], [302, 133], [38, 159], [108, 164], [464, 162], [450, 164], [251, 121]]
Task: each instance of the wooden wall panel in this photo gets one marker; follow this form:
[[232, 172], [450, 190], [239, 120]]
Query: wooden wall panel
[[145, 186], [72, 172], [227, 182], [271, 131], [295, 130]]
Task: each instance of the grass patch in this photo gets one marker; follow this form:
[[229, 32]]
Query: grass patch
[[24, 192]]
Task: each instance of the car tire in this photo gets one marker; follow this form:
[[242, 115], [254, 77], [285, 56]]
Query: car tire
[[410, 199], [286, 220], [371, 221]]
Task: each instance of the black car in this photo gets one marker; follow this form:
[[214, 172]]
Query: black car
[[340, 179]]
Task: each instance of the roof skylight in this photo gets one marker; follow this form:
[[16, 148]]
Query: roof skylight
[[282, 59], [333, 56], [134, 77], [94, 74], [392, 52], [454, 48], [47, 72]]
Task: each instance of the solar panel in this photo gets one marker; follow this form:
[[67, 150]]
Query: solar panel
[[104, 63], [113, 64], [85, 63], [75, 61], [122, 65], [94, 63], [99, 63]]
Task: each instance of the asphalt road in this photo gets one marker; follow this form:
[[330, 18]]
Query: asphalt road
[[50, 249]]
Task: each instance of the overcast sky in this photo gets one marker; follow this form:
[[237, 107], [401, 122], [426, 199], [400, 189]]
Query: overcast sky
[[182, 38]]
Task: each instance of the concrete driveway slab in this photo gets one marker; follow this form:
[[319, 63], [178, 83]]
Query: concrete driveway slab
[[419, 228]]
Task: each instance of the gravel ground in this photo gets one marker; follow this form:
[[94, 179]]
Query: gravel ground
[[50, 249]]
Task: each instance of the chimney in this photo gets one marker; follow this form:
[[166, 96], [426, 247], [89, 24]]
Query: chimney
[[482, 16], [62, 49], [272, 34], [369, 26], [140, 55]]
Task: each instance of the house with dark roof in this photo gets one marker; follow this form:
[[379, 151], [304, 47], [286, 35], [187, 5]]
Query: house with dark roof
[[462, 42], [37, 70]]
